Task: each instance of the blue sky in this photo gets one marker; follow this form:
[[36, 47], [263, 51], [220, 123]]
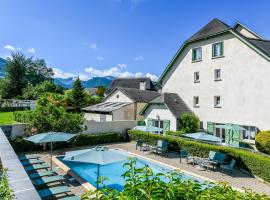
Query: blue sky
[[115, 37]]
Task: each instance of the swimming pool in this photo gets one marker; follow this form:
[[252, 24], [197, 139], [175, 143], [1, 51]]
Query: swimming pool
[[114, 171]]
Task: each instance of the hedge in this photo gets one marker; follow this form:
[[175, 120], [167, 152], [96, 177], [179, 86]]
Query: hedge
[[23, 116], [20, 145], [262, 141], [11, 109], [255, 163]]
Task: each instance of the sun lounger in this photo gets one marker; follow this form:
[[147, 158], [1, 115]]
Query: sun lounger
[[31, 162], [42, 174], [48, 179], [27, 157], [70, 198], [228, 167], [46, 193], [36, 167], [161, 148]]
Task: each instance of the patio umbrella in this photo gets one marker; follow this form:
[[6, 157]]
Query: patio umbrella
[[98, 155], [50, 137], [231, 129], [203, 137]]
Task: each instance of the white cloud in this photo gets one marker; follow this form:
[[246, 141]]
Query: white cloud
[[93, 46], [84, 77], [100, 58], [116, 72], [31, 50], [10, 47], [138, 59], [122, 66], [58, 73]]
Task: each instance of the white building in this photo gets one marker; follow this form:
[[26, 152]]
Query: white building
[[222, 74]]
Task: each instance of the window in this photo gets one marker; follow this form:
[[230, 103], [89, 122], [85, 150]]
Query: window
[[142, 85], [217, 75], [197, 54], [117, 96], [217, 50], [195, 102], [158, 124], [217, 102], [196, 77]]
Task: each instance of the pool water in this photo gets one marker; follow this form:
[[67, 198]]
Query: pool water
[[114, 172]]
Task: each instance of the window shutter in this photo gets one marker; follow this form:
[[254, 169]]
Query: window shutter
[[166, 126], [193, 55], [149, 122], [210, 128], [222, 48]]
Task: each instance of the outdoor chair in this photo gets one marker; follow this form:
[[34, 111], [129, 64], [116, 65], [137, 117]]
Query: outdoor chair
[[36, 167], [161, 148], [139, 143], [51, 192], [185, 154], [49, 179], [70, 198], [31, 162], [27, 157], [216, 158], [42, 174], [228, 167]]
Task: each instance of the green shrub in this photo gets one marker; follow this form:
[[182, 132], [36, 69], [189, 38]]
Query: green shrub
[[94, 139], [20, 145], [175, 133], [262, 141], [189, 123], [5, 191], [143, 183], [23, 116], [255, 163]]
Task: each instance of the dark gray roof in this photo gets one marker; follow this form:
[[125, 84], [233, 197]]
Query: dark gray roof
[[213, 27], [131, 83], [105, 107], [263, 45], [174, 103], [143, 96]]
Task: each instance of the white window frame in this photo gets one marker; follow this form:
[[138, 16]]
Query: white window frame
[[194, 59], [216, 105], [195, 104]]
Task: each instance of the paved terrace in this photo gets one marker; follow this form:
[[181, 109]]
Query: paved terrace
[[19, 181], [238, 179]]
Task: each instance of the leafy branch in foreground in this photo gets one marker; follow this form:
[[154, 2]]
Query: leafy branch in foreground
[[5, 191], [142, 183]]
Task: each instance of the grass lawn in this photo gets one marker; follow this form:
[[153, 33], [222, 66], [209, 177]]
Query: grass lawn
[[6, 118]]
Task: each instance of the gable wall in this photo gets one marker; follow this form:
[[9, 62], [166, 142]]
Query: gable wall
[[122, 97], [244, 88]]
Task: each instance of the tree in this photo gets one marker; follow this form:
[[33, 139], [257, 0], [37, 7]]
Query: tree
[[100, 91], [15, 79], [262, 141], [38, 72], [50, 115], [77, 96], [189, 123], [34, 92]]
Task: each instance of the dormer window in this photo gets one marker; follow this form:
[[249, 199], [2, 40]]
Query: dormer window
[[142, 85], [217, 50], [197, 54]]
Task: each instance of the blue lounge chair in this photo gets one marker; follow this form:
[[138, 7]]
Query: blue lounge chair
[[216, 158], [228, 167], [161, 148], [31, 162], [70, 198], [183, 154], [50, 192], [48, 179], [139, 143], [27, 157], [42, 174], [36, 167]]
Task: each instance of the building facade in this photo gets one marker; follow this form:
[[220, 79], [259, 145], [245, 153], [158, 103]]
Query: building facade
[[222, 74]]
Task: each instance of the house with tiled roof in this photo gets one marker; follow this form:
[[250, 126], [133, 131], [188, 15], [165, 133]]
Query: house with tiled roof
[[222, 74]]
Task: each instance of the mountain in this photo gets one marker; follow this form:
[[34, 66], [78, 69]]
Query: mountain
[[91, 83]]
